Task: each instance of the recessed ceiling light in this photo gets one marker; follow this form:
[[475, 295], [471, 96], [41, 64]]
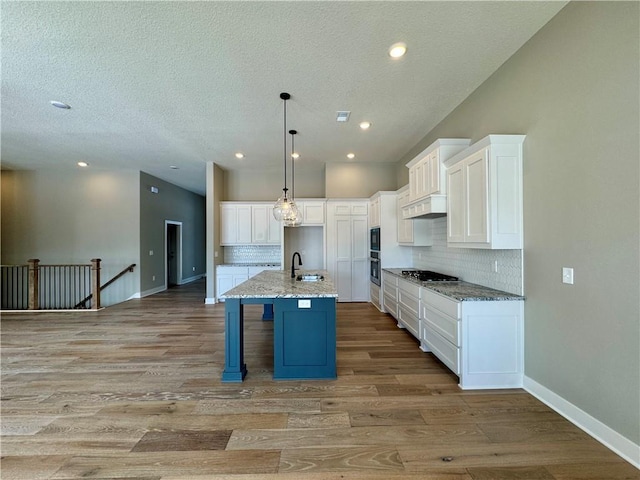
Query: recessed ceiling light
[[351, 155], [397, 50], [83, 164], [295, 155], [239, 155], [58, 104], [173, 167], [365, 125]]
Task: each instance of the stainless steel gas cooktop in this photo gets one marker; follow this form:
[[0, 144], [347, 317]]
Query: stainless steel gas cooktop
[[428, 276]]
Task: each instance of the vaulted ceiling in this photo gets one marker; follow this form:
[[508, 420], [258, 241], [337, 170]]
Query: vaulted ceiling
[[153, 85]]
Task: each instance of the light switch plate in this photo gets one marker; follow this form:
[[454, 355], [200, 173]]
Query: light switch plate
[[304, 303], [567, 275]]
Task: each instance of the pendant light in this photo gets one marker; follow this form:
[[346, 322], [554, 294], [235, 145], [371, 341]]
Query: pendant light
[[295, 218], [283, 208]]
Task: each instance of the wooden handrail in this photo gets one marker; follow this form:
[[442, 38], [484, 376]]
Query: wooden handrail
[[130, 268]]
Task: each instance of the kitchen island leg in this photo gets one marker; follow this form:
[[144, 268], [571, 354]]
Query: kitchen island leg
[[234, 369]]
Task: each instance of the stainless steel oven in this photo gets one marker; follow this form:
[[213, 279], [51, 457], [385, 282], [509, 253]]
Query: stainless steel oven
[[375, 268]]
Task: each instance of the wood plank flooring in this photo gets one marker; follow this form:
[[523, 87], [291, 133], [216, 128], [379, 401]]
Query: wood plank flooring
[[134, 391]]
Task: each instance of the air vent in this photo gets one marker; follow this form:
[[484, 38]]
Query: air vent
[[342, 116]]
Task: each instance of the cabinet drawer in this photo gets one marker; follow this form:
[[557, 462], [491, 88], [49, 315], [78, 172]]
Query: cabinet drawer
[[409, 302], [440, 302], [445, 325], [390, 305], [410, 288], [448, 353], [409, 320]]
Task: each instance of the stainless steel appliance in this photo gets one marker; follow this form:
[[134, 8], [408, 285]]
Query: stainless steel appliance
[[429, 276], [375, 268], [374, 238]]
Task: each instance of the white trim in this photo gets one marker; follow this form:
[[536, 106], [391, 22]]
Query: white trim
[[192, 279], [594, 427], [152, 291], [178, 253], [209, 301]]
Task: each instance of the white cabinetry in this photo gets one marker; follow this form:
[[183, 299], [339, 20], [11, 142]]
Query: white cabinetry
[[374, 212], [348, 249], [229, 277], [265, 229], [390, 294], [248, 223], [374, 294], [235, 223], [313, 212], [412, 232], [409, 306], [427, 181], [484, 184], [480, 341]]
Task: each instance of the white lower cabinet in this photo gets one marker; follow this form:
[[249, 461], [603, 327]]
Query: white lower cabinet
[[480, 341], [390, 294], [409, 307], [374, 294]]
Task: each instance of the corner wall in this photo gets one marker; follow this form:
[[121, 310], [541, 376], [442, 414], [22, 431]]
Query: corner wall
[[175, 204], [573, 90]]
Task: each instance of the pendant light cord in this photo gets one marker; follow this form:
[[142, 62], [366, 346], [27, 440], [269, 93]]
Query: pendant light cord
[[293, 162], [285, 147]]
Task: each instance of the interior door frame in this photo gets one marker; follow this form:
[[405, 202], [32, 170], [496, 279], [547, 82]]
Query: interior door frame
[[178, 252]]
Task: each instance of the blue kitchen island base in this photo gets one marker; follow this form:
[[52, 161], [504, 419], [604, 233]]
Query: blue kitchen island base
[[304, 339], [304, 328]]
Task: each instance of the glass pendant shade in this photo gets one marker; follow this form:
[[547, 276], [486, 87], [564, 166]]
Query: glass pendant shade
[[294, 217], [282, 207]]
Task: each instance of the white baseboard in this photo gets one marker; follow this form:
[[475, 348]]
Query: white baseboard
[[594, 427], [191, 279], [209, 301], [152, 291]]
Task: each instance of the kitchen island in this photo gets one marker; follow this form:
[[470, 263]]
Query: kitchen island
[[304, 329]]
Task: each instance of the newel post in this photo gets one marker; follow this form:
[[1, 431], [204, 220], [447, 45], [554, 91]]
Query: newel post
[[34, 282], [95, 283]]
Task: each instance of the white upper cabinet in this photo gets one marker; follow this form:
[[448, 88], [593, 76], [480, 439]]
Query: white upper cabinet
[[374, 212], [248, 223], [484, 200], [313, 212], [416, 232], [427, 178]]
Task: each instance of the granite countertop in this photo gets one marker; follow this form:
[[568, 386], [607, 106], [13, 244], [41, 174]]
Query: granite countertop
[[279, 284], [461, 291]]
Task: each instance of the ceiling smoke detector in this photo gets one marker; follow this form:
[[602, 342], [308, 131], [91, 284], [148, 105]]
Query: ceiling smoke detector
[[342, 116]]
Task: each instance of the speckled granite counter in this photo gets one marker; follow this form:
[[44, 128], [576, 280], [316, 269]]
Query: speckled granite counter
[[279, 284], [461, 291]]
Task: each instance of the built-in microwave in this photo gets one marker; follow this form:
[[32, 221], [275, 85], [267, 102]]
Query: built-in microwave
[[375, 239]]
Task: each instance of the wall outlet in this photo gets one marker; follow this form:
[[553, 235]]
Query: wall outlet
[[215, 254], [153, 278], [494, 266], [567, 275], [194, 269], [150, 252]]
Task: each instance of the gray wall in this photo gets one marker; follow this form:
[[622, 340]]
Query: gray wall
[[176, 204], [573, 90], [266, 184], [72, 216]]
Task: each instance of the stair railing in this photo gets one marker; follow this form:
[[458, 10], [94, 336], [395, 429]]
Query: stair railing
[[53, 287], [82, 303]]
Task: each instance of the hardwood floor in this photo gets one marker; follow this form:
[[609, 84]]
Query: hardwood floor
[[134, 391]]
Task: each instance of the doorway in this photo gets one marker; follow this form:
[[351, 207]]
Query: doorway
[[173, 253]]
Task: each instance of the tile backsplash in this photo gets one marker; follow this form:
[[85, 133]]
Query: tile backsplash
[[470, 264], [252, 254]]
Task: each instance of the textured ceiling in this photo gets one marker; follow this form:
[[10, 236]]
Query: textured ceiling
[[154, 84]]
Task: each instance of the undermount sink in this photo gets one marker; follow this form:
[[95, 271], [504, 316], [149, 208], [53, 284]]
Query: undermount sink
[[310, 277]]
